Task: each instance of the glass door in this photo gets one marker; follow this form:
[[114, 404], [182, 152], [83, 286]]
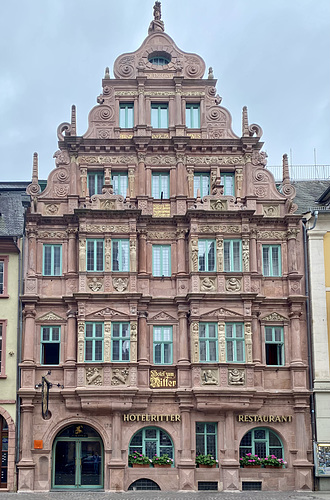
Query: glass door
[[90, 463], [65, 463], [3, 452]]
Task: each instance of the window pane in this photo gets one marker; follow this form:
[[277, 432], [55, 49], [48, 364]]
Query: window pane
[[239, 331], [226, 253], [275, 261], [98, 330], [115, 256], [125, 330], [158, 353], [265, 258], [213, 351], [115, 350], [205, 185], [212, 330], [229, 330], [200, 445], [211, 256], [163, 118], [57, 260], [202, 350], [89, 329], [164, 186], [240, 350], [99, 256], [89, 350], [115, 329], [47, 260], [156, 261], [154, 117], [210, 443], [167, 353], [260, 449], [56, 334], [202, 330], [125, 350], [201, 255], [236, 255], [124, 255], [230, 351], [90, 255], [268, 334], [45, 333], [155, 187]]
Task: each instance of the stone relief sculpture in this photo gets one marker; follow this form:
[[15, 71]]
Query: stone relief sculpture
[[195, 341], [119, 377], [82, 254], [120, 284], [236, 376], [209, 377], [246, 255], [132, 244], [248, 342], [208, 284], [95, 284], [94, 376], [222, 342], [194, 255], [233, 284]]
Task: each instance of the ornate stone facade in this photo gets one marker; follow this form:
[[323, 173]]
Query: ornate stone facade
[[182, 262]]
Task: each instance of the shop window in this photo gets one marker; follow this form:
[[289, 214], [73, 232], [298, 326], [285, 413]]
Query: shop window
[[50, 345], [206, 255], [160, 185], [52, 260], [235, 345], [161, 260], [95, 181], [119, 183], [232, 253], [271, 260], [94, 341], [120, 255], [193, 115], [163, 345], [208, 342], [126, 115], [3, 325], [152, 441], [228, 183], [201, 182], [159, 115], [274, 345], [120, 340], [3, 453], [206, 438], [95, 255], [261, 442]]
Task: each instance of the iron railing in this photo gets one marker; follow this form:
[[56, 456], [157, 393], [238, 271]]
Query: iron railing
[[302, 172]]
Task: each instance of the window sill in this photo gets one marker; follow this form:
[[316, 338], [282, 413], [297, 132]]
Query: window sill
[[4, 296], [3, 376]]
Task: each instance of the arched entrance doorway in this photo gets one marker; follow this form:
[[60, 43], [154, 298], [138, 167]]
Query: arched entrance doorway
[[77, 458], [3, 452]]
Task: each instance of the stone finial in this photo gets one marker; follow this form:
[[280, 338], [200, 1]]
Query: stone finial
[[35, 169], [211, 74], [245, 122], [287, 188], [33, 189], [286, 173], [107, 73], [73, 120], [157, 24]]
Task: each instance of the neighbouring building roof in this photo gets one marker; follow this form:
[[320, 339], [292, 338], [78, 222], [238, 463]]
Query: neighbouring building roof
[[308, 193], [13, 197]]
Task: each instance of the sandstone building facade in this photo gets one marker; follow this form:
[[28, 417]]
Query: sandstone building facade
[[164, 293]]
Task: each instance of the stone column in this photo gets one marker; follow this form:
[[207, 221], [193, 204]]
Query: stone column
[[142, 252], [141, 104], [143, 343], [27, 430], [71, 349], [72, 254], [183, 337], [141, 174], [253, 251], [32, 234], [230, 466], [180, 168], [256, 338], [292, 252], [296, 357], [29, 334], [116, 436], [185, 434], [181, 251]]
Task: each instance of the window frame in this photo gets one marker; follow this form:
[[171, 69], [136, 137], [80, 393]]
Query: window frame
[[162, 258], [120, 175], [190, 115], [121, 340], [159, 106], [200, 176], [94, 269], [161, 175], [128, 121], [206, 450], [3, 331], [98, 176], [235, 342], [162, 344], [144, 440], [280, 345], [52, 246], [207, 339], [223, 177], [207, 269], [4, 260], [266, 440], [50, 341], [120, 253], [93, 339], [231, 256], [270, 271]]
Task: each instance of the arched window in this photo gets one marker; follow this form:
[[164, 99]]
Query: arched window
[[152, 441], [261, 442], [143, 485]]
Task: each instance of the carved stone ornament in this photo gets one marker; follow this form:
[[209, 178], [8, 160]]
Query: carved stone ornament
[[236, 376], [215, 160], [194, 335], [271, 235], [274, 317], [107, 160], [61, 158], [233, 284], [104, 228], [271, 210], [50, 317], [94, 376], [162, 316], [120, 284], [208, 284], [210, 377], [218, 205], [161, 235], [95, 284], [51, 209], [203, 228], [120, 376], [194, 255]]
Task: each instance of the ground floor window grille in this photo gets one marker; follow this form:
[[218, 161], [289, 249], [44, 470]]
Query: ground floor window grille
[[207, 485], [143, 485], [251, 485]]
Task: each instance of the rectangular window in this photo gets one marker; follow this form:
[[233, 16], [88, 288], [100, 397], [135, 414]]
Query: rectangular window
[[52, 260], [120, 339], [192, 116], [2, 277], [271, 260], [126, 115], [95, 181], [208, 342], [159, 115], [206, 255], [95, 255], [232, 252], [161, 260], [163, 345], [94, 342], [274, 344], [120, 255], [160, 185], [50, 345], [119, 183], [206, 438], [235, 345], [2, 348], [228, 183], [201, 182]]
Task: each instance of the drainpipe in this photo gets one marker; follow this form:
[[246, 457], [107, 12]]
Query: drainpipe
[[309, 327]]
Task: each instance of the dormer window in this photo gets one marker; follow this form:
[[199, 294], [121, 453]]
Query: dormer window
[[159, 58]]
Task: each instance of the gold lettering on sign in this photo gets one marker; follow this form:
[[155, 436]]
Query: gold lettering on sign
[[160, 75], [160, 136], [146, 417], [161, 210], [125, 136], [162, 379], [265, 418]]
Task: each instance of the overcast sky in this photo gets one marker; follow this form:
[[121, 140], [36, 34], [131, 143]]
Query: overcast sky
[[270, 55]]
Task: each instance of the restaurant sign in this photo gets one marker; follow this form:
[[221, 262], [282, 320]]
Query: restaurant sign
[[265, 418]]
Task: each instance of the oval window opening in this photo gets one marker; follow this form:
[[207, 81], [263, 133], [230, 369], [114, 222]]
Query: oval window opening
[[159, 58]]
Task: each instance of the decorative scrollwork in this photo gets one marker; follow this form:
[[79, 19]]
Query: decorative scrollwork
[[61, 191], [215, 114], [62, 175], [255, 129], [289, 191], [63, 127]]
